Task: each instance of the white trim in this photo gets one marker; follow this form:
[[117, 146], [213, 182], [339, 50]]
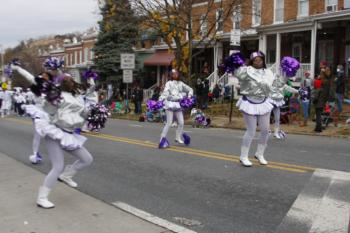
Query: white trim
[[151, 218], [200, 4]]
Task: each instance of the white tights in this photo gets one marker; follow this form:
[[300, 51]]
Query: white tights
[[36, 142], [57, 160], [276, 115], [169, 121], [251, 122]]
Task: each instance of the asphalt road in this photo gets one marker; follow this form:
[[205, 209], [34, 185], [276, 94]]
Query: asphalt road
[[203, 183]]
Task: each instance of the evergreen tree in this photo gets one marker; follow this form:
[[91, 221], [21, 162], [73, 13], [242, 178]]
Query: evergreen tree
[[118, 34]]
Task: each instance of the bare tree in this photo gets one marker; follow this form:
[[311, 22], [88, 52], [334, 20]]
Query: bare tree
[[183, 27]]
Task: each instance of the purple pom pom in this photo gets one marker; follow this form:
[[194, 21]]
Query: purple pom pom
[[164, 143], [97, 117], [233, 62], [53, 63], [289, 66], [153, 105], [187, 102], [187, 139], [90, 74]]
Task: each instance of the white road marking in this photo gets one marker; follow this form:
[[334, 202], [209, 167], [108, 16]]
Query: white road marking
[[151, 218]]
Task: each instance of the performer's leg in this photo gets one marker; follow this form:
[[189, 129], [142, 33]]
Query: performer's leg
[[277, 114], [84, 160], [250, 122], [179, 131], [57, 160], [264, 125], [169, 121]]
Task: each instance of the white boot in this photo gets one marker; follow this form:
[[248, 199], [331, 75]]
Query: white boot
[[42, 200], [178, 138], [244, 157], [276, 134], [259, 155], [67, 175]]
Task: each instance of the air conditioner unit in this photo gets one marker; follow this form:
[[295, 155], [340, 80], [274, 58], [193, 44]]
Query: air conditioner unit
[[332, 8]]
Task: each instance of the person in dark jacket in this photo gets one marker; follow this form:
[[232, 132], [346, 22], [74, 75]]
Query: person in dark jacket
[[323, 94], [339, 93]]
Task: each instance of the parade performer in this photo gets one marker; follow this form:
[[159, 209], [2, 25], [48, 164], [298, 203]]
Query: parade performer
[[279, 86], [6, 101], [174, 92], [255, 86], [66, 109]]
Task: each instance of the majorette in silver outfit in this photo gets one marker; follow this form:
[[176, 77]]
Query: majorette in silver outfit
[[255, 85], [279, 86], [58, 130], [174, 91]]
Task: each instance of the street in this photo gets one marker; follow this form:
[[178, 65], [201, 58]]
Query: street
[[202, 187]]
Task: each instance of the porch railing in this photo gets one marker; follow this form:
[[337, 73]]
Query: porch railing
[[147, 93]]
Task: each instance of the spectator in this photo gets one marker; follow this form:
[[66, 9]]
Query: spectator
[[205, 94], [199, 93], [322, 95], [216, 93], [305, 94], [294, 107], [339, 93], [138, 98]]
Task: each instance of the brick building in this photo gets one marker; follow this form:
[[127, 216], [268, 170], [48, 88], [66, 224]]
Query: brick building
[[309, 30]]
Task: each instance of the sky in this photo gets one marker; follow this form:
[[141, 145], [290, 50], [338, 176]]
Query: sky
[[25, 19]]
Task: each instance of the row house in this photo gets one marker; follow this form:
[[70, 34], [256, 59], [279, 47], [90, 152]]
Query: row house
[[309, 30], [77, 55]]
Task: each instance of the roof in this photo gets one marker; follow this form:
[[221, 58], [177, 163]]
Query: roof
[[160, 58]]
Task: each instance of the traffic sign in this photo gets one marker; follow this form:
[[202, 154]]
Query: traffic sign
[[235, 38], [127, 61], [127, 76]]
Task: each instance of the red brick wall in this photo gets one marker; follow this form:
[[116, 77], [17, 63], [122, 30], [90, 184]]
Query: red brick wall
[[316, 7], [267, 10], [290, 10]]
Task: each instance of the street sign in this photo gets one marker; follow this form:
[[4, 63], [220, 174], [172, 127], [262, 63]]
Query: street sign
[[127, 61], [127, 76], [235, 38]]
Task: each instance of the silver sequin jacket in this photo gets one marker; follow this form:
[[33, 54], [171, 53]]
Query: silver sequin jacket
[[175, 90], [255, 83]]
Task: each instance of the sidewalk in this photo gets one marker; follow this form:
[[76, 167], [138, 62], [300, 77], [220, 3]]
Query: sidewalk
[[75, 212]]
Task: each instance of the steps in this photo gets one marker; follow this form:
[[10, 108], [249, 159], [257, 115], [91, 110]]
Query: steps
[[322, 206]]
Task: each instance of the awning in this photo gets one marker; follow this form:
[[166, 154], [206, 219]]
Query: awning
[[160, 58]]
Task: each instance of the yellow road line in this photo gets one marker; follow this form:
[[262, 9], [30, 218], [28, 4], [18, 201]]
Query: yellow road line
[[190, 151], [201, 153]]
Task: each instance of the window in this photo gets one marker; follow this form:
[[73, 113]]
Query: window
[[237, 17], [279, 11], [204, 26], [220, 20], [331, 5], [303, 8], [256, 20]]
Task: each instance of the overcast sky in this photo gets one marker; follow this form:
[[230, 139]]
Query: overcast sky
[[24, 19]]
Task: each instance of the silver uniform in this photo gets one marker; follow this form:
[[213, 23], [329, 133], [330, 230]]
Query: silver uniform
[[70, 113], [278, 87], [173, 92], [255, 83]]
